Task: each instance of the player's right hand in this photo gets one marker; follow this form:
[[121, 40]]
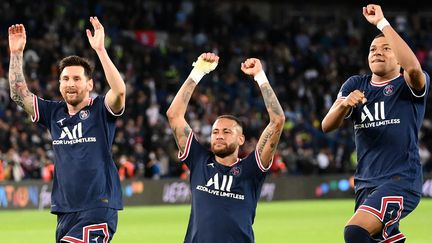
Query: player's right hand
[[17, 38], [354, 98], [206, 62], [373, 13]]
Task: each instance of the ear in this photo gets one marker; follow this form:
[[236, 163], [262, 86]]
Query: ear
[[241, 139], [90, 84]]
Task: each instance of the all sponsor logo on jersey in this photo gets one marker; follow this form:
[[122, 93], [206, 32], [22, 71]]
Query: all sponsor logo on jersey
[[221, 188], [376, 118], [73, 136]]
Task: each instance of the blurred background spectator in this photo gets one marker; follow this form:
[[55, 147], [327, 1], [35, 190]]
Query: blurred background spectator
[[308, 50]]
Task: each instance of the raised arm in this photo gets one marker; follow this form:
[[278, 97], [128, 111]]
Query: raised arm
[[116, 96], [413, 72], [19, 91], [340, 109], [206, 63], [269, 139]]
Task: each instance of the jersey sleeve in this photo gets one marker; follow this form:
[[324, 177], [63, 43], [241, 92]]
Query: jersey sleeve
[[110, 112], [426, 90], [194, 152], [254, 166], [42, 110]]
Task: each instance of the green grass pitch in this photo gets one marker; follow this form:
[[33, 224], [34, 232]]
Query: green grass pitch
[[275, 222]]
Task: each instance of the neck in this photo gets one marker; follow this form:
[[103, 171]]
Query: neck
[[385, 78], [228, 160], [73, 109]]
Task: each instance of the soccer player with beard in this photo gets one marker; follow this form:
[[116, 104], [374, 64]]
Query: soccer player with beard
[[86, 192], [225, 188], [387, 109]]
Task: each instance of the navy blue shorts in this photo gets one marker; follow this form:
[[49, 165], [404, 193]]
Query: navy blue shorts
[[96, 225], [389, 203]]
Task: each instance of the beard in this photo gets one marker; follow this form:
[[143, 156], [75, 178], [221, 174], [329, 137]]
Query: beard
[[224, 152], [75, 100]]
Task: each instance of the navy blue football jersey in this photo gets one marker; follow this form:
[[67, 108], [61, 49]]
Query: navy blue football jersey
[[85, 175], [224, 198], [386, 131]]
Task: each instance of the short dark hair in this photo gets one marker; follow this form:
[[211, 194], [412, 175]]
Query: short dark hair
[[77, 61], [379, 35], [231, 117]]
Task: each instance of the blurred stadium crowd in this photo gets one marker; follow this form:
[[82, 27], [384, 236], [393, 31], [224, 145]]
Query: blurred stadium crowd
[[308, 52]]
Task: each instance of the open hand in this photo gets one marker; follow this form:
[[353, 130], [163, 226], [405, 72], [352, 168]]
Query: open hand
[[97, 40], [17, 38]]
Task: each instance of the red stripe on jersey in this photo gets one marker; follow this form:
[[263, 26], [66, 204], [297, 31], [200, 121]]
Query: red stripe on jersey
[[380, 214], [35, 109], [186, 152], [394, 238], [86, 233], [259, 163], [380, 84]]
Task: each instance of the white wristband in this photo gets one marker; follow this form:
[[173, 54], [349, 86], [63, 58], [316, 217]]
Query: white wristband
[[196, 75], [382, 23], [261, 78]]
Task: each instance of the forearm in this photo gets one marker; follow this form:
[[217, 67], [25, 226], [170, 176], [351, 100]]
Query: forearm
[[271, 102], [335, 117], [112, 75], [269, 139], [181, 100], [19, 91]]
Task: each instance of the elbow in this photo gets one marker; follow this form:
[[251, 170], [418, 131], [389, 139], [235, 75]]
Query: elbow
[[326, 127], [171, 114], [279, 121]]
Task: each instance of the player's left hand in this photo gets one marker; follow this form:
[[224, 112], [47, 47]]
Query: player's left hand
[[251, 66], [97, 41], [373, 13]]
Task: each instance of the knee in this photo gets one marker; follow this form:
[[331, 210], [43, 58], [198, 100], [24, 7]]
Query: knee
[[356, 234]]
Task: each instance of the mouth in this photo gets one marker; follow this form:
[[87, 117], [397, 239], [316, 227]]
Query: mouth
[[377, 61], [71, 92]]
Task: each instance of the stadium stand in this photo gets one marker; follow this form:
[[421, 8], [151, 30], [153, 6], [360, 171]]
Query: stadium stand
[[308, 51]]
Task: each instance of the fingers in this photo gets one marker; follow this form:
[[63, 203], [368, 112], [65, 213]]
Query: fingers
[[249, 63], [16, 29], [210, 57], [96, 23], [89, 34], [356, 97]]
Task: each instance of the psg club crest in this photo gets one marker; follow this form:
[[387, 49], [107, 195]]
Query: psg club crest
[[84, 114], [235, 171], [388, 90]]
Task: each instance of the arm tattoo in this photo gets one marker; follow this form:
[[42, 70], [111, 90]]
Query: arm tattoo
[[17, 84], [186, 131], [264, 139], [270, 100], [181, 138], [187, 94]]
